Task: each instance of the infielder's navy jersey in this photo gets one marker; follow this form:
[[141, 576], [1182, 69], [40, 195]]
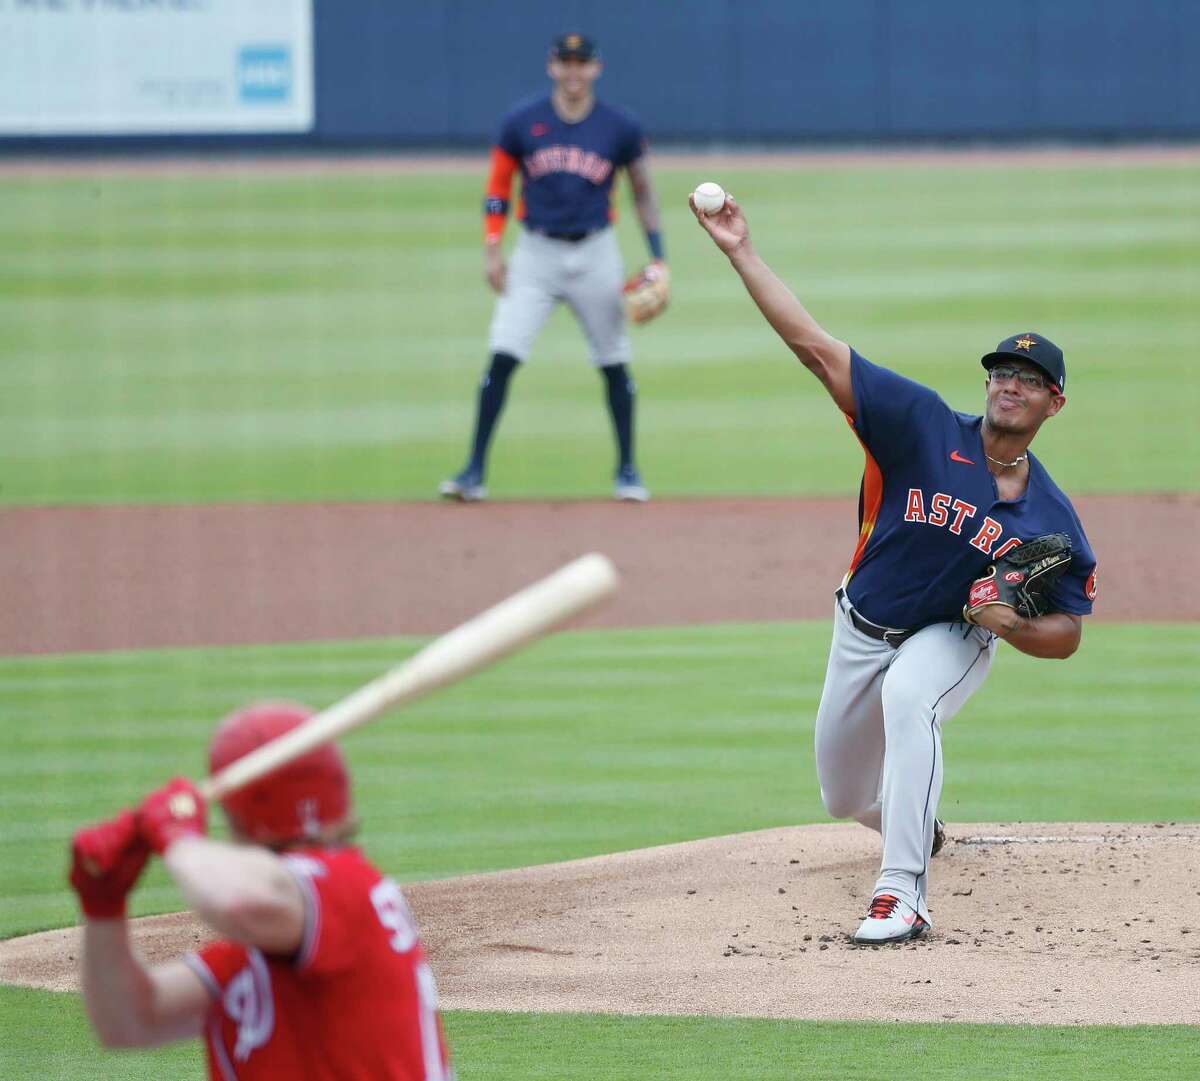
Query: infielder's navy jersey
[[931, 520], [567, 170]]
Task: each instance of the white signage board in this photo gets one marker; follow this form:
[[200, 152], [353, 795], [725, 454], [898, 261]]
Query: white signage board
[[155, 67]]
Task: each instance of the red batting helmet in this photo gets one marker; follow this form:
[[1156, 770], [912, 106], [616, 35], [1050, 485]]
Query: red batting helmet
[[296, 802]]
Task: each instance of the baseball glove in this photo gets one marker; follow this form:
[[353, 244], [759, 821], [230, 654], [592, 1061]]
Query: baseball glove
[[646, 293], [1021, 577]]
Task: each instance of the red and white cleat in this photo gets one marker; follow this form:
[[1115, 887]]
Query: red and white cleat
[[889, 920]]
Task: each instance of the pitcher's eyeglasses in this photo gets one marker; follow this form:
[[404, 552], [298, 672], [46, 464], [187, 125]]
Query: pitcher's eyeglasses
[[1002, 373]]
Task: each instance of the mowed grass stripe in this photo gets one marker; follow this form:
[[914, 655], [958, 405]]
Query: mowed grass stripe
[[587, 743], [55, 1041], [320, 337]]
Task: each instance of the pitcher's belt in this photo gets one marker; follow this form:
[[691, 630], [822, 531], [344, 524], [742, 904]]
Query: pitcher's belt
[[893, 637]]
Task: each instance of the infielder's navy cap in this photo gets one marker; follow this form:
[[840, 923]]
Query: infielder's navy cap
[[1040, 352], [574, 47]]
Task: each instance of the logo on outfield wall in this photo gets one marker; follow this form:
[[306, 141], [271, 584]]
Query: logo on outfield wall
[[265, 73]]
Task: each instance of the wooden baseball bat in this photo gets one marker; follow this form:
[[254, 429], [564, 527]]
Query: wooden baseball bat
[[483, 640]]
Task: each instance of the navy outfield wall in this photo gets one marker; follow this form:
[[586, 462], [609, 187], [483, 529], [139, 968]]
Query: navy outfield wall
[[729, 71], [439, 73]]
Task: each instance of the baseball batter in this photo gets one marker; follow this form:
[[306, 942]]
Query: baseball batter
[[568, 148], [319, 973], [944, 497]]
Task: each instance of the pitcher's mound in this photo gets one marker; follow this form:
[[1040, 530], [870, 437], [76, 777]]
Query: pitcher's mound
[[1064, 923]]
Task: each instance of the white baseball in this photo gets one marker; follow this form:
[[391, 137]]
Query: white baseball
[[709, 197]]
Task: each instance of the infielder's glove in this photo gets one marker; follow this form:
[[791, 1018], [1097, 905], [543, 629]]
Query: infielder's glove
[[1021, 577], [647, 292]]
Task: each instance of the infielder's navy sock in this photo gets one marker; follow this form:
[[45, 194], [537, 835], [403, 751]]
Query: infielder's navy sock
[[621, 391], [492, 392]]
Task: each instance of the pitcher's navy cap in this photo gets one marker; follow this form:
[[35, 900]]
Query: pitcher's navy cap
[[574, 47], [1040, 352]]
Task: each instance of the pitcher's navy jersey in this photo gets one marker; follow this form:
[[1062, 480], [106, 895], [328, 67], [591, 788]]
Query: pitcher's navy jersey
[[930, 516], [567, 170]]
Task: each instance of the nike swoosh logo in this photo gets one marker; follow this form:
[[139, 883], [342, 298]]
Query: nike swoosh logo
[[956, 457], [908, 919]]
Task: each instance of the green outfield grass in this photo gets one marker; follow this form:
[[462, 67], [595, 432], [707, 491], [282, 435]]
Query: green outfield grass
[[319, 337], [682, 733], [580, 1047]]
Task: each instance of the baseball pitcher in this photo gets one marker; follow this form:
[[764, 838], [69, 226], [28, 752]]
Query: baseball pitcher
[[964, 541], [318, 973], [568, 148]]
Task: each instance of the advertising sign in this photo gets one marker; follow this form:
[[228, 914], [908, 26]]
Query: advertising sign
[[146, 67]]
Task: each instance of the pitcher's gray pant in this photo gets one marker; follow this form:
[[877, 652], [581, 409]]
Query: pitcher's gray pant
[[879, 737], [588, 275]]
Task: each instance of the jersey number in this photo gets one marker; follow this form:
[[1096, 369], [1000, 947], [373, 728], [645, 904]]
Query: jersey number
[[395, 915], [393, 912]]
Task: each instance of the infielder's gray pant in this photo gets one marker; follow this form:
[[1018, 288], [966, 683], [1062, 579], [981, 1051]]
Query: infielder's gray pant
[[879, 737], [587, 274]]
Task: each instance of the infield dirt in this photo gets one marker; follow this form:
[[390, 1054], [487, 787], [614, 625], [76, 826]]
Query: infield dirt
[[136, 577], [1037, 924]]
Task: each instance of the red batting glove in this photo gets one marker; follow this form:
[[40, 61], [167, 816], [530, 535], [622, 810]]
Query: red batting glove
[[173, 811], [106, 861]]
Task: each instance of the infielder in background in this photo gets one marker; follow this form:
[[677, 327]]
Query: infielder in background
[[319, 973], [568, 148], [916, 620]]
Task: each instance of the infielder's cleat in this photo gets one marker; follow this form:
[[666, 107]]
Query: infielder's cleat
[[889, 920], [629, 487], [467, 487], [939, 837]]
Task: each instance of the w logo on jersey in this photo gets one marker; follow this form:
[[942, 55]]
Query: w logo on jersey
[[310, 821], [250, 1004]]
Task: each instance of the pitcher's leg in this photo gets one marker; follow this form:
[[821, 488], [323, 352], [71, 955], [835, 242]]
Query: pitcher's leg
[[849, 735], [931, 678]]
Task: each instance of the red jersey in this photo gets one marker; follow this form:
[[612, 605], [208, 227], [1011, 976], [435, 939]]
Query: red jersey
[[357, 1001]]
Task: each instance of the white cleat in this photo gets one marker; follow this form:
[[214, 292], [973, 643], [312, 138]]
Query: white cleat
[[628, 486], [889, 920], [467, 487]]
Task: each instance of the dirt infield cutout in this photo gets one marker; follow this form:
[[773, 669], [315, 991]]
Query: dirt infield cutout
[[1059, 923], [97, 578]]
